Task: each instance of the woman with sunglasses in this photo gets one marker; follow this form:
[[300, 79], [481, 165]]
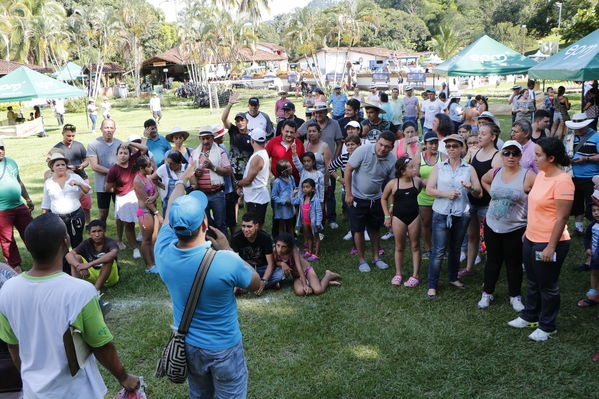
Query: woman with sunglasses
[[505, 223], [546, 240], [449, 183]]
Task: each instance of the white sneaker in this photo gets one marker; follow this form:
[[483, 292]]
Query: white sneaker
[[462, 256], [540, 335], [477, 260], [333, 226], [321, 236], [519, 322], [348, 236], [138, 238], [516, 302], [136, 253], [366, 236], [387, 236], [485, 300]]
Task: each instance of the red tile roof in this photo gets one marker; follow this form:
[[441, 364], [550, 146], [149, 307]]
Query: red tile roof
[[7, 67]]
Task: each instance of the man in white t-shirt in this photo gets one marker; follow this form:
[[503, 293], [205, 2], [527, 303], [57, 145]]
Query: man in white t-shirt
[[59, 111], [430, 108], [258, 119], [155, 108], [373, 96], [37, 309], [255, 177]]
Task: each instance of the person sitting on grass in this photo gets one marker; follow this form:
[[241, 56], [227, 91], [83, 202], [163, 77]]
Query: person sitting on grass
[[591, 244], [404, 190], [309, 218], [305, 279], [95, 259], [254, 246]]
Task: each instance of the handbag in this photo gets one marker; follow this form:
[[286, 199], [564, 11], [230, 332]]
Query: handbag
[[592, 112], [173, 361]]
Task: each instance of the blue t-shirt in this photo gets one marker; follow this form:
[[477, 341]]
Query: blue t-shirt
[[589, 148], [214, 325], [158, 147], [338, 102], [388, 115]]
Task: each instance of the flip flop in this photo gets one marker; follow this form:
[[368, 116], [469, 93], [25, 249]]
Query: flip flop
[[586, 302]]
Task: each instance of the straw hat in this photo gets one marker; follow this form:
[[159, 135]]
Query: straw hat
[[56, 157], [175, 131]]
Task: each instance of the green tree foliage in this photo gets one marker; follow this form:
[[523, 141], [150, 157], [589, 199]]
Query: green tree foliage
[[584, 22]]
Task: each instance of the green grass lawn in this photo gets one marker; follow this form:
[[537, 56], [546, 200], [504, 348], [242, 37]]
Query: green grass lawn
[[366, 339]]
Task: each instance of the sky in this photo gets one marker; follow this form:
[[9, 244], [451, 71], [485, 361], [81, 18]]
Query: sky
[[170, 7]]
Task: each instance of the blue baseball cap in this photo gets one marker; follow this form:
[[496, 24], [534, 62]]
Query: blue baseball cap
[[431, 90], [187, 213]]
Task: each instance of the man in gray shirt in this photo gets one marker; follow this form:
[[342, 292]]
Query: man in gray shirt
[[101, 153], [367, 170], [330, 133]]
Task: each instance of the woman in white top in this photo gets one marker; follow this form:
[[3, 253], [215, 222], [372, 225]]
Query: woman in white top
[[62, 192], [168, 174], [93, 114]]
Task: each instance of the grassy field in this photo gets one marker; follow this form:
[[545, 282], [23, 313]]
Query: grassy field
[[366, 339]]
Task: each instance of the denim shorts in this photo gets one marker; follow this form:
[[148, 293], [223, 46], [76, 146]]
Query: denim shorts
[[479, 210], [217, 374]]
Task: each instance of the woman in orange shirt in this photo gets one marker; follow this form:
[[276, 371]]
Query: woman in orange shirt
[[546, 240]]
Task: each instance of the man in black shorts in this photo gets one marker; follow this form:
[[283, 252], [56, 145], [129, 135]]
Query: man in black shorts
[[368, 169]]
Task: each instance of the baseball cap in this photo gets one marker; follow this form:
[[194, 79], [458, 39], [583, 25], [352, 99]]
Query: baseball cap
[[258, 135], [454, 137], [206, 131], [430, 90], [288, 105], [409, 88], [430, 136], [511, 143], [355, 124], [187, 213], [240, 115], [134, 137], [254, 101]]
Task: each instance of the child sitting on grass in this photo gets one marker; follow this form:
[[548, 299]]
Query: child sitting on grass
[[305, 281], [591, 244], [309, 218], [282, 189]]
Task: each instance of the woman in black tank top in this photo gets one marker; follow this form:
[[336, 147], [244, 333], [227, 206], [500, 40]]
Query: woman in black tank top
[[483, 160]]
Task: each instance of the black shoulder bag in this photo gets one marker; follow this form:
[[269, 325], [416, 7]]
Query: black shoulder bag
[[173, 362]]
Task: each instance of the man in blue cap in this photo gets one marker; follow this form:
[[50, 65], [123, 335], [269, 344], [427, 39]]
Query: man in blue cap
[[215, 359]]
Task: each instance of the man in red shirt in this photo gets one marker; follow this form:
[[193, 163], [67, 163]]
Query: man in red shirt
[[280, 148]]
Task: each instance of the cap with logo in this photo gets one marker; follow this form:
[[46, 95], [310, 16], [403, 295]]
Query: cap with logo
[[254, 101]]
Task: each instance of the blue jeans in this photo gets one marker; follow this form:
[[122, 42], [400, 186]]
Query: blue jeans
[[446, 239], [93, 119], [331, 204], [276, 276], [410, 119], [216, 374], [218, 216]]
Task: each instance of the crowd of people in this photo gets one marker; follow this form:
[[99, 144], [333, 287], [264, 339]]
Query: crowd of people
[[430, 172]]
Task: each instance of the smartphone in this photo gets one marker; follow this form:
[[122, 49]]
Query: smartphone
[[538, 256]]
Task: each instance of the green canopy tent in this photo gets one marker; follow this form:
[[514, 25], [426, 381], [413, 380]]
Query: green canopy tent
[[484, 57], [69, 71], [578, 62], [24, 84]]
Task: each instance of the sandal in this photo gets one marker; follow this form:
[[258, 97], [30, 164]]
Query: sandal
[[586, 302], [396, 280], [412, 282], [458, 286]]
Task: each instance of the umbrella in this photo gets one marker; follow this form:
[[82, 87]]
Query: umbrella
[[24, 84], [484, 57], [578, 62]]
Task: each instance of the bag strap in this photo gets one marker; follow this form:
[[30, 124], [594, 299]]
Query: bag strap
[[196, 289], [581, 142]]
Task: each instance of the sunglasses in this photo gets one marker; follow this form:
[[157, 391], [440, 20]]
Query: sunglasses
[[452, 146], [507, 153], [68, 126]]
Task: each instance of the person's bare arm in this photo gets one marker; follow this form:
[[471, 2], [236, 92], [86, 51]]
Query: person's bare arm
[[107, 356], [497, 162], [339, 147], [25, 194], [386, 193], [487, 179], [529, 180], [140, 146], [474, 184], [14, 354], [270, 259], [347, 175], [233, 99], [563, 212], [255, 167], [156, 180], [96, 167]]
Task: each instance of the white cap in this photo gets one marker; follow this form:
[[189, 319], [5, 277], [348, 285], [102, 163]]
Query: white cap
[[133, 137], [355, 124], [258, 135], [511, 143]]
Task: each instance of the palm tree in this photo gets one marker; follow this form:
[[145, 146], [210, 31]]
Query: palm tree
[[14, 28], [447, 42]]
